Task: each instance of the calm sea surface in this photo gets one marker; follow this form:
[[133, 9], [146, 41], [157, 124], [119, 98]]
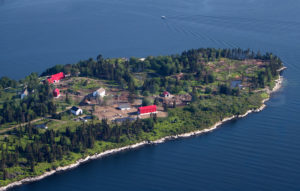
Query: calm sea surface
[[259, 152]]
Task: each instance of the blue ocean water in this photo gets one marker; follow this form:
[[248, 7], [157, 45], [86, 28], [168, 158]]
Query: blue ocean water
[[259, 152]]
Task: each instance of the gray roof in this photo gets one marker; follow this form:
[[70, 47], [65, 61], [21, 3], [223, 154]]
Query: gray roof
[[74, 108], [124, 106]]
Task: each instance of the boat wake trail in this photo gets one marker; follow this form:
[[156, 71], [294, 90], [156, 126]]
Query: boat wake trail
[[199, 32], [241, 23]]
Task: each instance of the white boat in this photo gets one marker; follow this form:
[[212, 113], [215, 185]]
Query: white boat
[[163, 17]]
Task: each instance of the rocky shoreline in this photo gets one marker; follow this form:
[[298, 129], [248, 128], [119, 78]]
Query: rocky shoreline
[[143, 143]]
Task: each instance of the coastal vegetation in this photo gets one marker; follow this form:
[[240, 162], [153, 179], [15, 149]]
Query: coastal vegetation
[[221, 83]]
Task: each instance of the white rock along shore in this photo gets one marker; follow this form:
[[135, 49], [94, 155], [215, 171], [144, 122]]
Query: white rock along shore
[[112, 151]]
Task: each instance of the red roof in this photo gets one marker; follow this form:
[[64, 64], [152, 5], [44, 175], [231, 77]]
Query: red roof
[[56, 92], [56, 77], [147, 109], [166, 93]]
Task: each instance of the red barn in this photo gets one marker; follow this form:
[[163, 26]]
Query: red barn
[[147, 109], [56, 92], [56, 77]]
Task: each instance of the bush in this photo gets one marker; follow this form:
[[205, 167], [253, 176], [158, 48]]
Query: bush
[[146, 93], [146, 102]]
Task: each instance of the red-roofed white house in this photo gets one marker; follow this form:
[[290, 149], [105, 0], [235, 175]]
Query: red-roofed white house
[[166, 94]]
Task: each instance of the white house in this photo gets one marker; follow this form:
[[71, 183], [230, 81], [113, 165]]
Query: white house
[[24, 94], [100, 92], [76, 110]]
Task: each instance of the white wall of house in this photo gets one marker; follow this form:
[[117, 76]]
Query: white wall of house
[[101, 94]]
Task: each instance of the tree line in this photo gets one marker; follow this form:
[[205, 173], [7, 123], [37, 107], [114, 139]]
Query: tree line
[[38, 103], [6, 82], [51, 145]]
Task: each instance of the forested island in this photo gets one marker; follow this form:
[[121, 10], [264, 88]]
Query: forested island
[[191, 91]]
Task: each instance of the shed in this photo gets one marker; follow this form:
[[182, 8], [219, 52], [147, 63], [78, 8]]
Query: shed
[[42, 126], [124, 106], [56, 92], [76, 110]]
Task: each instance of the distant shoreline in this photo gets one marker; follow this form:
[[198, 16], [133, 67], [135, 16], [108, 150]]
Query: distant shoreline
[[277, 86]]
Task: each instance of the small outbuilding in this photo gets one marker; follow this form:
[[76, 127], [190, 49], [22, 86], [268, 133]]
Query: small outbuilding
[[41, 126], [100, 92], [83, 119], [56, 92], [124, 106], [76, 110]]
